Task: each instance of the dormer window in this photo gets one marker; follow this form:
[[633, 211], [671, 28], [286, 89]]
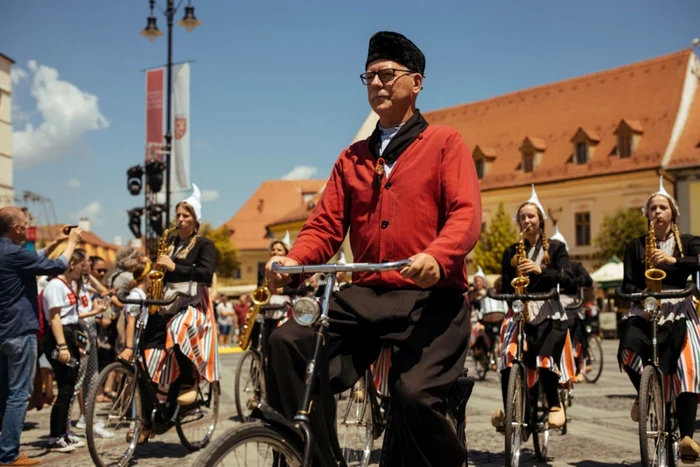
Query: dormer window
[[585, 142], [532, 150], [629, 133], [528, 161], [483, 158], [581, 152]]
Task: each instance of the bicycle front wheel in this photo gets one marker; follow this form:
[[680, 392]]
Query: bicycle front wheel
[[113, 416], [515, 415], [652, 419], [250, 444], [594, 359], [354, 424]]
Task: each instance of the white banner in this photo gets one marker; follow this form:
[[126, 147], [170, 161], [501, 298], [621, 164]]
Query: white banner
[[180, 160]]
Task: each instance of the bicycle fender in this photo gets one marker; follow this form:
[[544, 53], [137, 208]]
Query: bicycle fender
[[271, 417]]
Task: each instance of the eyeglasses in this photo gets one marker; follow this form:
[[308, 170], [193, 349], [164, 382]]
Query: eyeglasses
[[101, 271], [385, 75]]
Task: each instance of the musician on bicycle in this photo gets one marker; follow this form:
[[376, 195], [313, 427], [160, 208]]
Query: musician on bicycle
[[678, 339], [179, 344], [546, 263], [408, 191]]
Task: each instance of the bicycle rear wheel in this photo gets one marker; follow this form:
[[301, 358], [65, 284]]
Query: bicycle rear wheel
[[196, 423], [354, 424], [515, 415], [249, 384], [652, 420], [594, 359], [114, 423], [540, 430], [251, 444]]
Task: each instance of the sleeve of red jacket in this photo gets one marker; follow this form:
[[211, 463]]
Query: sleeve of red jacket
[[461, 201], [325, 229]]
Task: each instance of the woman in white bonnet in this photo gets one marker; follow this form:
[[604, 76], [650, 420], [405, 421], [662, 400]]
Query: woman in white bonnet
[[678, 339]]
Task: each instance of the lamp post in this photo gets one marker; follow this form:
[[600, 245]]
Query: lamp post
[[151, 32]]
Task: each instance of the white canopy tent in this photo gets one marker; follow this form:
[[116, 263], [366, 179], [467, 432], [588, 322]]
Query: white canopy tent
[[610, 274]]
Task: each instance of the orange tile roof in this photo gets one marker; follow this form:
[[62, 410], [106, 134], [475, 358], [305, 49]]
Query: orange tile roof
[[299, 213], [687, 150], [271, 200], [550, 115], [90, 240]]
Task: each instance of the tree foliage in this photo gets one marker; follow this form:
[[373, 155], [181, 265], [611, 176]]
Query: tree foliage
[[227, 253], [616, 231], [498, 236]]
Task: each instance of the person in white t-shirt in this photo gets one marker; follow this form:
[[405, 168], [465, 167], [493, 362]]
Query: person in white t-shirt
[[227, 321], [139, 286], [60, 308]]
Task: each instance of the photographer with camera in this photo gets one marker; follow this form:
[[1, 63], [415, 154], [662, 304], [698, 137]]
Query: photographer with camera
[[19, 323]]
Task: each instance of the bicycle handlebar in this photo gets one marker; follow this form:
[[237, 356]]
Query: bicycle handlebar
[[333, 268], [640, 296], [145, 302], [523, 297]]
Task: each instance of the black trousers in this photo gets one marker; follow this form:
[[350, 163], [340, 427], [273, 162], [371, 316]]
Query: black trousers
[[66, 378], [429, 333]]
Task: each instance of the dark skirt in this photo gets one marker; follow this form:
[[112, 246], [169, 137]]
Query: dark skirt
[[545, 340], [636, 336]]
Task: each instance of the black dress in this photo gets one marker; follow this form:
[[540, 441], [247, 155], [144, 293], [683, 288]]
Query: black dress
[[546, 332], [635, 330], [198, 265]]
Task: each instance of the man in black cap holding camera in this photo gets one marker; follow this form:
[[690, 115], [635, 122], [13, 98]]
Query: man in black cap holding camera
[[408, 191]]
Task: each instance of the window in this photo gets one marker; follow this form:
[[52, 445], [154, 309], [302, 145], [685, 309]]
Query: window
[[237, 273], [583, 228], [624, 146], [528, 162], [480, 166], [581, 152]]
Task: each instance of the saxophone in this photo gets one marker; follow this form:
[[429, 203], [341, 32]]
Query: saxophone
[[261, 296], [521, 282], [652, 275], [155, 290]]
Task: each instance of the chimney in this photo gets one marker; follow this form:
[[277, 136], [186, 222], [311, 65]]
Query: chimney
[[84, 223], [118, 240]]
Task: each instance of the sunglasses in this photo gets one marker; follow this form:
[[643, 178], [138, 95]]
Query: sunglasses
[[101, 271]]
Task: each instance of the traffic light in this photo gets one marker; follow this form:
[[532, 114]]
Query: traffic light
[[155, 218], [134, 179], [135, 221], [154, 175]]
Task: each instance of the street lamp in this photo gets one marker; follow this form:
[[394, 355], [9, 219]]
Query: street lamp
[[151, 32]]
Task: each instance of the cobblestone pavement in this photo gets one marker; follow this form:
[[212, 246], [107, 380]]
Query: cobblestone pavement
[[601, 432]]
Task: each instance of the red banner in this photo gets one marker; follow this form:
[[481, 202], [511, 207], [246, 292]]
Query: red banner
[[155, 94]]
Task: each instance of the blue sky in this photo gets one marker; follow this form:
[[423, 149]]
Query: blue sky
[[275, 83]]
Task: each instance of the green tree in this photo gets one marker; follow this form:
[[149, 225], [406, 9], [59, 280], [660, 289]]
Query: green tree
[[227, 253], [499, 235], [616, 231]]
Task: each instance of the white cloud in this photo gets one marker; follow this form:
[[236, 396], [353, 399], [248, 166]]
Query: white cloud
[[67, 113], [74, 183], [202, 145], [92, 212], [17, 74], [209, 195], [301, 172]]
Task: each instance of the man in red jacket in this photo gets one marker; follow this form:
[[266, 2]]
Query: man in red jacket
[[409, 191]]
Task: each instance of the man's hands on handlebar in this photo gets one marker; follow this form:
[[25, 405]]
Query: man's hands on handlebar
[[277, 280]]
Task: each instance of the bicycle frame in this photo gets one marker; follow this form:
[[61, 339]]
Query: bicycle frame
[[317, 363]]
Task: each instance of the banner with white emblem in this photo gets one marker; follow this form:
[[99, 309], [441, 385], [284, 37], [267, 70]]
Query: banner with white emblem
[[180, 160]]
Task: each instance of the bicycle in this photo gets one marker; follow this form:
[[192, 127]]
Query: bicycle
[[491, 318], [195, 424], [292, 443], [522, 417], [251, 371], [659, 436]]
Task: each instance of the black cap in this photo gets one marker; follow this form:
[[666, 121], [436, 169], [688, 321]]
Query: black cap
[[387, 45]]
